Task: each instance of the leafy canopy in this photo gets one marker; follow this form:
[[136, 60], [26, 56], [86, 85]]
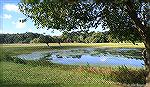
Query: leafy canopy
[[69, 15]]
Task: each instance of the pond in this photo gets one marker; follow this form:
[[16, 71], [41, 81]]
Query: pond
[[91, 56]]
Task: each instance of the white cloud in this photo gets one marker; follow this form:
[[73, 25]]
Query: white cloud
[[7, 16], [30, 30], [20, 25], [11, 7]]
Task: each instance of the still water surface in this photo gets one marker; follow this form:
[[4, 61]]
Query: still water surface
[[92, 56]]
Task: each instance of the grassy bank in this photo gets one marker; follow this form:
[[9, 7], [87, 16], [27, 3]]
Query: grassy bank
[[54, 75]]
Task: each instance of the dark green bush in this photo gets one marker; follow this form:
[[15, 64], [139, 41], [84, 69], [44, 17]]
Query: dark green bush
[[129, 76], [19, 60]]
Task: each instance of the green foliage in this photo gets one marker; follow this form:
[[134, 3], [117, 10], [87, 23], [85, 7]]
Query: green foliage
[[25, 38], [19, 38], [42, 39], [19, 60], [86, 37], [129, 76], [35, 40], [126, 19], [66, 37]]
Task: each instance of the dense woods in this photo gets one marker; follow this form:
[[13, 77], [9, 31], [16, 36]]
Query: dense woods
[[66, 37]]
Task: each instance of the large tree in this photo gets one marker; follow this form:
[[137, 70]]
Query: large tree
[[126, 19]]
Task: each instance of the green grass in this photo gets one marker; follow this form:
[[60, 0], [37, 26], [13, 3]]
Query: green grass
[[128, 45], [18, 75], [22, 75], [16, 49]]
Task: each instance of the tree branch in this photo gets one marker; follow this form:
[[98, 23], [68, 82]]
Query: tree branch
[[134, 16]]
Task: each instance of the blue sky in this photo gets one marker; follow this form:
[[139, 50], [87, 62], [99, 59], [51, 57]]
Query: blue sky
[[10, 16]]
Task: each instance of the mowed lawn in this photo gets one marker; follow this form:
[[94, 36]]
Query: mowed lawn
[[20, 75]]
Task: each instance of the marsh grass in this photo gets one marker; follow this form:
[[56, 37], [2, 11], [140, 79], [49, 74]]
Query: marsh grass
[[129, 76]]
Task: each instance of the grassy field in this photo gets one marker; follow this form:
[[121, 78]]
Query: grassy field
[[128, 45], [19, 75], [16, 49]]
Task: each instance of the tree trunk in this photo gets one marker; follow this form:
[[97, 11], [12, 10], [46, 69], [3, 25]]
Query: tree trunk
[[47, 44], [59, 44], [147, 64], [143, 30], [148, 68]]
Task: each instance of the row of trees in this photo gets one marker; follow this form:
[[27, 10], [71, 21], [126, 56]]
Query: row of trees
[[18, 38], [89, 37], [66, 37], [27, 37]]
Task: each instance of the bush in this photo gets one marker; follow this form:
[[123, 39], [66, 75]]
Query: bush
[[19, 60], [129, 76]]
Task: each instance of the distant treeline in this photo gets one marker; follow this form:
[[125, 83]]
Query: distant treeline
[[66, 37]]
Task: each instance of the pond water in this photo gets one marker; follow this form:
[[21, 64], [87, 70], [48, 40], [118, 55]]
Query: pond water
[[90, 56]]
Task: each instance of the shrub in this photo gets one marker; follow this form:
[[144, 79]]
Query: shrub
[[19, 60], [129, 76]]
